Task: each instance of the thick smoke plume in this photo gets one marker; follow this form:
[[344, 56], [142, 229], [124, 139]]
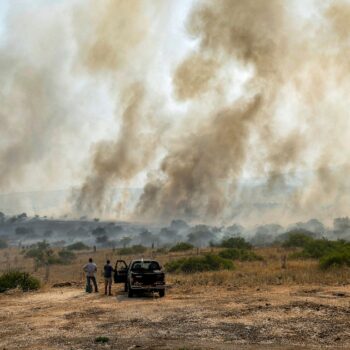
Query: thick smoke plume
[[115, 49], [261, 93], [266, 36], [118, 160]]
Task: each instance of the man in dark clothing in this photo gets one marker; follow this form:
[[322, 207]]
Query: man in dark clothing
[[108, 270]]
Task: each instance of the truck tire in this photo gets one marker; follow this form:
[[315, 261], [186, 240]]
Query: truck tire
[[130, 292], [162, 293]]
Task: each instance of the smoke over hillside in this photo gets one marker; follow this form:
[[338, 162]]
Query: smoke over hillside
[[261, 92]]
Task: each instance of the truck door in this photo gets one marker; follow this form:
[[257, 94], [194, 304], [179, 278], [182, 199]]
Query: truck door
[[120, 271]]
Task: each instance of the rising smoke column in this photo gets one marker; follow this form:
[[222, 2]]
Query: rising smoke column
[[196, 171], [117, 47], [118, 160], [266, 36], [289, 59]]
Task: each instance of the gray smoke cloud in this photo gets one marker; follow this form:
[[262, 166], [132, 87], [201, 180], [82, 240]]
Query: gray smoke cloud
[[33, 110], [263, 91], [266, 36]]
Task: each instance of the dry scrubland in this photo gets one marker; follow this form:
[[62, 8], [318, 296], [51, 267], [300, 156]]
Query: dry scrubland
[[258, 305]]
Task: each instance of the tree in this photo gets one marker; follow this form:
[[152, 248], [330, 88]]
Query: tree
[[99, 231], [101, 239], [235, 242], [22, 216], [178, 225], [125, 241], [22, 231], [168, 235], [3, 244], [200, 235], [41, 253], [146, 237], [341, 224]]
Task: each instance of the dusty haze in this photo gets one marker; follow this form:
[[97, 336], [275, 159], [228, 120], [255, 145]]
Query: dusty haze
[[259, 93]]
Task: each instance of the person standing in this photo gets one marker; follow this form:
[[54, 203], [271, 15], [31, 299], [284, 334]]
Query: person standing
[[90, 269], [107, 273]]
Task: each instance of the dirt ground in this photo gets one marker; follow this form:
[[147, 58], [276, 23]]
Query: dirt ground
[[272, 317]]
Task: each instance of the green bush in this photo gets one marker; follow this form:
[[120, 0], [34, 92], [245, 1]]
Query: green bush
[[101, 339], [35, 253], [66, 256], [3, 244], [14, 279], [329, 253], [42, 255], [78, 246], [135, 249], [235, 242], [208, 262], [297, 239], [335, 259], [239, 254], [318, 248], [181, 247]]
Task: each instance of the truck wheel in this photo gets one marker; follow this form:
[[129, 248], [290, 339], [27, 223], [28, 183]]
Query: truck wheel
[[162, 293], [130, 292]]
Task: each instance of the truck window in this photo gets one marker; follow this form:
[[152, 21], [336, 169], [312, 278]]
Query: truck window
[[144, 266]]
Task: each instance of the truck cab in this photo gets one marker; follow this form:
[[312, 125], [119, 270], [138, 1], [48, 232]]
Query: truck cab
[[140, 276]]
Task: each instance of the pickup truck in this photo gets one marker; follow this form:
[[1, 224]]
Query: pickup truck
[[140, 276]]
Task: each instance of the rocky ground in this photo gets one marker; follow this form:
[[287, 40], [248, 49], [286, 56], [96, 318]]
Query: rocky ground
[[276, 317]]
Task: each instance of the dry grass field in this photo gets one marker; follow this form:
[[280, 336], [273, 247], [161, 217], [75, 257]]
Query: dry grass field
[[259, 305]]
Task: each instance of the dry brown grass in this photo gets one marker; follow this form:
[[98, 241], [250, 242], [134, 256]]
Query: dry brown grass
[[249, 274]]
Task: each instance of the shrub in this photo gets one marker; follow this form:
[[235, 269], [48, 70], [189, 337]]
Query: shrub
[[42, 255], [239, 254], [297, 239], [329, 253], [102, 239], [135, 249], [318, 248], [14, 279], [101, 339], [99, 231], [21, 231], [78, 246], [3, 244], [208, 262], [40, 252], [235, 242], [66, 256], [181, 247], [335, 259]]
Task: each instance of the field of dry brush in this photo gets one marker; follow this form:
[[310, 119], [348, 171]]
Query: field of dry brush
[[259, 305]]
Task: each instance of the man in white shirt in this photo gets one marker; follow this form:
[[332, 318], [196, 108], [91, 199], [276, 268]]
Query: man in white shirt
[[90, 269]]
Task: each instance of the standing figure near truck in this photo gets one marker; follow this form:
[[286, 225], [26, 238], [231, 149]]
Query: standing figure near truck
[[90, 269], [107, 273]]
